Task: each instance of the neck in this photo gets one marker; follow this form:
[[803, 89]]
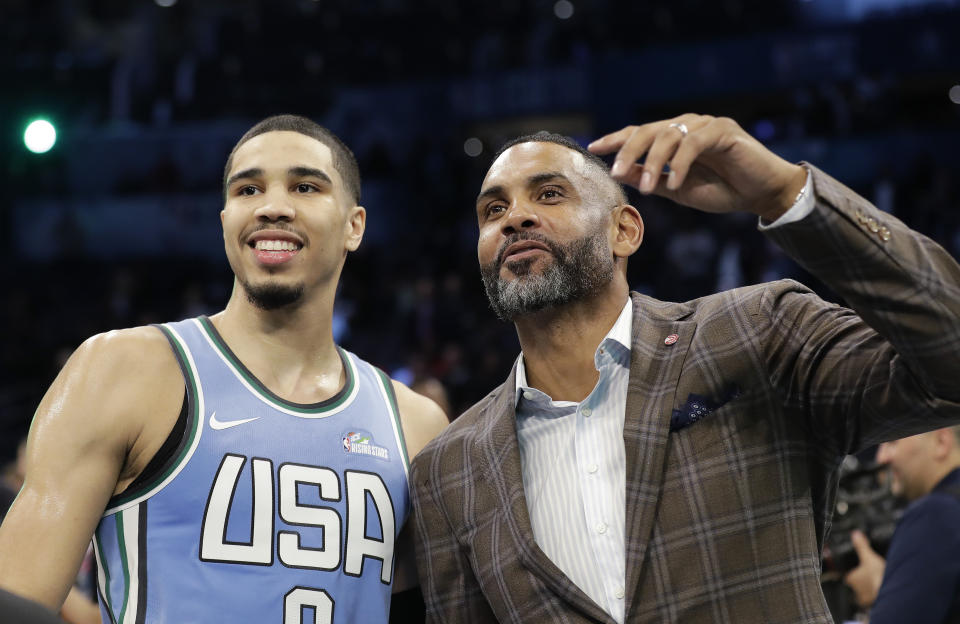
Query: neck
[[290, 349], [559, 343]]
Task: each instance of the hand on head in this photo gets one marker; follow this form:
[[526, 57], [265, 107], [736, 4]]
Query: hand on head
[[714, 165]]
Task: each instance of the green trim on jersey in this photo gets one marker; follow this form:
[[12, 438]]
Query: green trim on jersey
[[259, 388], [194, 424], [395, 413]]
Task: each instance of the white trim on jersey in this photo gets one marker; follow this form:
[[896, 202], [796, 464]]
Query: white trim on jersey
[[395, 423], [131, 543]]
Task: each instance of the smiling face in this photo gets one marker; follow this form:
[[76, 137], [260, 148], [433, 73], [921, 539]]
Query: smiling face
[[288, 221], [545, 229]]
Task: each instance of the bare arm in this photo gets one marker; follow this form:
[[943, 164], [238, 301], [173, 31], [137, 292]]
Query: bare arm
[[422, 420], [90, 437]]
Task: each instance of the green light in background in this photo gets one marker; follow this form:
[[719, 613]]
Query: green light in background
[[40, 136]]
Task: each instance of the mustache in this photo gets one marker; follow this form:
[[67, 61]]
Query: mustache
[[277, 226], [531, 236]]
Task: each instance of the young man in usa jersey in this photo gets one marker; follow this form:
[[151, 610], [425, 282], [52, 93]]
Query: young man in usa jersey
[[239, 467]]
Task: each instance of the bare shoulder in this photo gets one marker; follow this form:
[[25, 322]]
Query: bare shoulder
[[121, 364], [124, 347], [421, 417], [120, 390]]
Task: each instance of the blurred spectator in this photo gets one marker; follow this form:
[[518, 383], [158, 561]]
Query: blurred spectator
[[920, 580]]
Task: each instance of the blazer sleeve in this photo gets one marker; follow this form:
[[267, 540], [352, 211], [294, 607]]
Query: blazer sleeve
[[451, 592], [889, 367]]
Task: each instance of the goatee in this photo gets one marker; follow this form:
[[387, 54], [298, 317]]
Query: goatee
[[578, 269], [271, 296]]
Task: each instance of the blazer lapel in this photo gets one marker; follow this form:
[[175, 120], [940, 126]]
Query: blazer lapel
[[498, 454], [660, 343]]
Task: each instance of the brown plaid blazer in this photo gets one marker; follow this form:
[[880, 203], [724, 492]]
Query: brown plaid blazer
[[725, 516]]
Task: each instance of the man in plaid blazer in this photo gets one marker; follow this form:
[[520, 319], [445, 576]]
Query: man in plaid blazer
[[732, 412]]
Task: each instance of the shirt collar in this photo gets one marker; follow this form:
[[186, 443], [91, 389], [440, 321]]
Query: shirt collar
[[620, 335]]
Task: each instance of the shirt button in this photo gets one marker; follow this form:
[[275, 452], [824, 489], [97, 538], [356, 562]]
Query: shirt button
[[587, 411], [619, 593], [593, 468], [528, 395], [601, 528]]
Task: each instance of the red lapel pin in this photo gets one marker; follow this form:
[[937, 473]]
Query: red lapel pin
[[672, 338]]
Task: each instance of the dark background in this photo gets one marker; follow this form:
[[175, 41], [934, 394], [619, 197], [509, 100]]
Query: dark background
[[117, 225]]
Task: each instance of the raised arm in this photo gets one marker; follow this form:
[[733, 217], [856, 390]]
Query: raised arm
[[888, 371], [97, 426]]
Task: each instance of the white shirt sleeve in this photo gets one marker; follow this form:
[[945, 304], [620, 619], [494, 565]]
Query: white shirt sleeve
[[800, 208]]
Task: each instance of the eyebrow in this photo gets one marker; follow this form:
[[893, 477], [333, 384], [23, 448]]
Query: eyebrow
[[298, 172], [534, 180], [309, 172], [255, 172]]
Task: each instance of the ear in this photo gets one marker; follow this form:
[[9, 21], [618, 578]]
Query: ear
[[627, 230], [944, 443], [355, 226]]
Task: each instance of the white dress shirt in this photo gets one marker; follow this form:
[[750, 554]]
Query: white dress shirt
[[574, 472]]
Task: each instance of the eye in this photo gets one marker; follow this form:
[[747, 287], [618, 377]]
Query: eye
[[248, 190], [494, 210], [550, 192], [305, 187]]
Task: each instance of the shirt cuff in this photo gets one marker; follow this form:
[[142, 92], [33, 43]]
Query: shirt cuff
[[803, 206]]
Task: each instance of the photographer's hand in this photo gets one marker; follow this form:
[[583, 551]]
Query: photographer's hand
[[865, 579]]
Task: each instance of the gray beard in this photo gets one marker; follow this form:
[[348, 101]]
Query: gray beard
[[272, 296], [579, 268]]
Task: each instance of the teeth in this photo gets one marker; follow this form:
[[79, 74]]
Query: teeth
[[275, 245]]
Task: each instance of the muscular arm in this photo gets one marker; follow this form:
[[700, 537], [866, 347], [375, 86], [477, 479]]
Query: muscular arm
[[90, 437], [422, 420]]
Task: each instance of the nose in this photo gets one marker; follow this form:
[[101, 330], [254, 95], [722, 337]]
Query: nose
[[276, 206], [520, 216]]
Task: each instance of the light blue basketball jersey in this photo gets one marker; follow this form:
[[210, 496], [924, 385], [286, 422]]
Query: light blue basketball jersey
[[269, 511]]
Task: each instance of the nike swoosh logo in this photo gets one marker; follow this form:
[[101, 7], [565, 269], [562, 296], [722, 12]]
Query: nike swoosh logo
[[226, 424]]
